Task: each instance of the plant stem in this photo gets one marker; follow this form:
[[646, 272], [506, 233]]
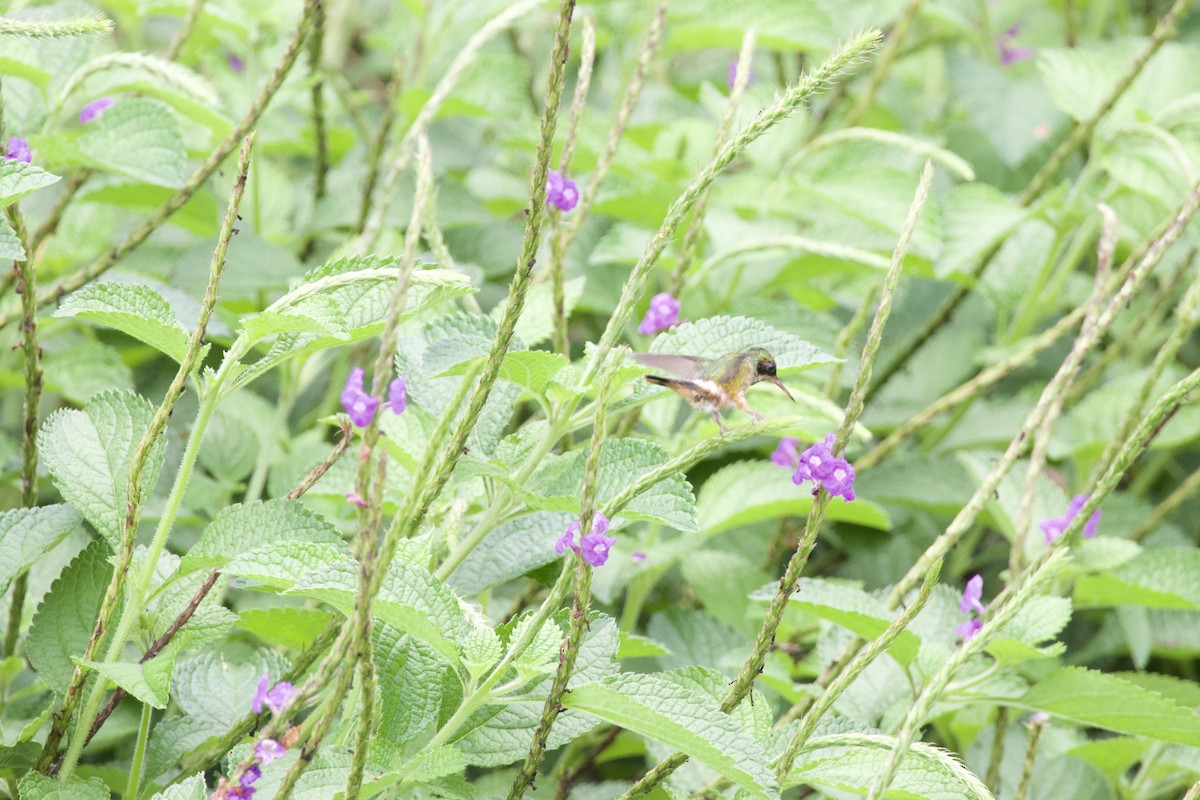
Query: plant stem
[[176, 45], [999, 728], [883, 64], [1035, 733], [139, 753]]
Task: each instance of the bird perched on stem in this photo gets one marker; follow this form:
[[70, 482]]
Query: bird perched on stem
[[715, 384]]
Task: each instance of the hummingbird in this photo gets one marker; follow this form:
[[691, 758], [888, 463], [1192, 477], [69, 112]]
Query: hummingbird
[[714, 384]]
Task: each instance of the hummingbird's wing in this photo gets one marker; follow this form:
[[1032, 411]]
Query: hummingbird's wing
[[689, 367]]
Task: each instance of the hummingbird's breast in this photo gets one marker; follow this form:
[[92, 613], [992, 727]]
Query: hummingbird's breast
[[712, 396]]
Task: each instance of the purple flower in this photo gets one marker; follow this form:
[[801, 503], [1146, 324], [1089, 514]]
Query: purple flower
[[398, 395], [971, 596], [251, 774], [1055, 526], [268, 750], [662, 314], [732, 73], [358, 404], [1007, 52], [95, 109], [235, 62], [240, 792], [356, 499], [969, 628], [18, 150], [595, 547], [275, 698], [637, 557], [787, 454], [561, 192], [827, 471]]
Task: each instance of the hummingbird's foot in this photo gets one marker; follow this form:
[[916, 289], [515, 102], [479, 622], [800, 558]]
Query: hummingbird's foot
[[716, 415], [754, 415]]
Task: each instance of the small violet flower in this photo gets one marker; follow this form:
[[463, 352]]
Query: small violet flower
[[275, 697], [594, 546], [970, 604], [1055, 526], [235, 62], [827, 471], [268, 750], [561, 191], [356, 499], [240, 792], [95, 108], [637, 557], [787, 454], [18, 150], [1009, 54], [358, 404], [662, 314], [732, 73], [251, 774], [398, 395]]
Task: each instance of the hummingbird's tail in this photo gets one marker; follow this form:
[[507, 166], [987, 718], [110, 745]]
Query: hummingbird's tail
[[668, 382]]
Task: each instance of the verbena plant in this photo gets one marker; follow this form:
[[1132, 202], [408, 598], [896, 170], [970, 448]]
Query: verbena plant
[[341, 516]]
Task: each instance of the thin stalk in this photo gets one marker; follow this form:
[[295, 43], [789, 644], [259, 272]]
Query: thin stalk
[[1041, 435], [841, 60], [557, 255], [570, 777], [846, 338], [315, 474], [1193, 793], [193, 184], [373, 225], [1040, 182], [316, 45], [691, 237], [743, 683], [56, 29], [883, 64], [137, 591], [1178, 496], [999, 728], [177, 42], [50, 224], [139, 753], [583, 583], [378, 144]]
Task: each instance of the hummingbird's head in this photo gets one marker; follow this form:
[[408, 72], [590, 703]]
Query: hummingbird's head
[[765, 369]]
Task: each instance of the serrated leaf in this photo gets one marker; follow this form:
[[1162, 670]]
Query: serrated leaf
[[430, 764], [173, 737], [1167, 577], [63, 623], [191, 789], [411, 677], [319, 314], [280, 564], [510, 550], [18, 179], [975, 217], [26, 534], [10, 245], [217, 687], [295, 628], [634, 645], [410, 598], [542, 654], [1106, 701], [244, 528], [851, 608], [851, 762], [139, 138], [716, 336], [35, 786], [659, 708], [480, 649], [531, 369], [133, 309], [147, 682], [80, 372], [753, 491], [559, 486]]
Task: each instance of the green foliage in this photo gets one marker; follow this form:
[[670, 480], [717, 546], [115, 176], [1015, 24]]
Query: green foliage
[[133, 309]]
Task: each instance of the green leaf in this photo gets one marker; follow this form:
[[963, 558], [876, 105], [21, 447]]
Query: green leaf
[[410, 598], [35, 786], [147, 682], [1106, 701], [795, 25], [84, 369], [244, 528], [851, 608], [193, 788], [63, 623], [138, 138], [661, 708], [135, 310], [295, 628], [10, 245], [411, 679], [536, 323], [89, 454], [509, 551], [532, 369], [711, 337], [850, 762], [635, 645], [542, 654], [26, 534], [559, 485], [320, 315], [174, 737], [752, 491], [18, 179], [217, 686], [975, 217], [1167, 577]]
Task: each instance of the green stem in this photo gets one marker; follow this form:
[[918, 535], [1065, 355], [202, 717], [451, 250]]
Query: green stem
[[139, 753]]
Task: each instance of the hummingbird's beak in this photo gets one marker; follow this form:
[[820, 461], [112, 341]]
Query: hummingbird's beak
[[775, 380]]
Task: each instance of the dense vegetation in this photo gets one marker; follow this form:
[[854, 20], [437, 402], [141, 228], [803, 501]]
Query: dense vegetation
[[330, 467]]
